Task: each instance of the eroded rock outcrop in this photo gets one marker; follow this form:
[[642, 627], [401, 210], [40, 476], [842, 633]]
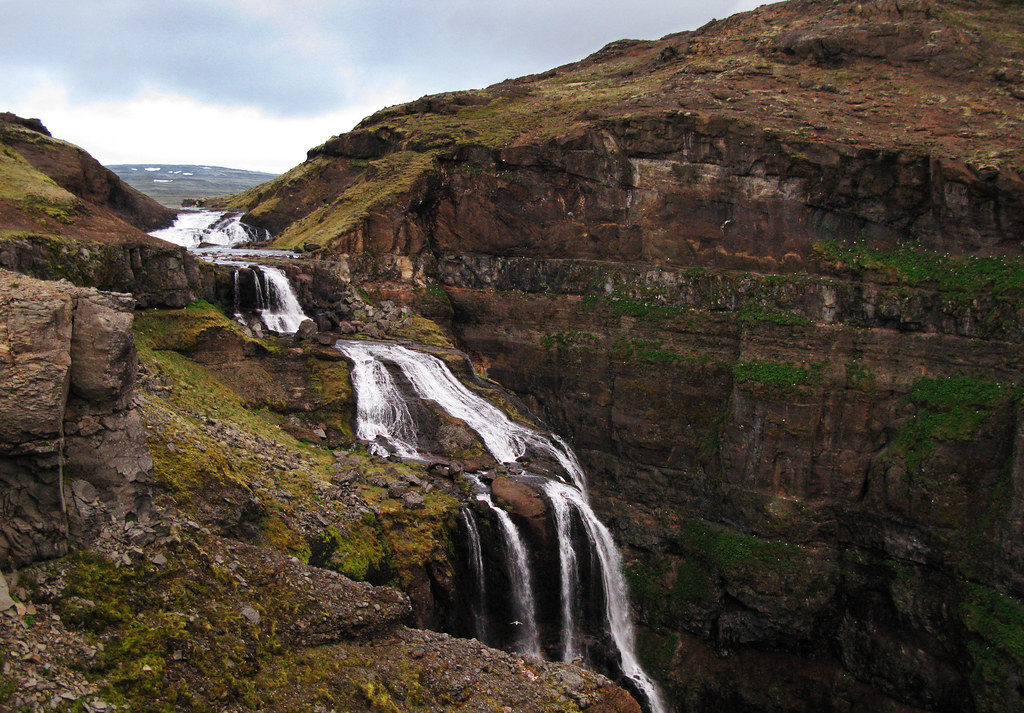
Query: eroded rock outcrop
[[74, 459]]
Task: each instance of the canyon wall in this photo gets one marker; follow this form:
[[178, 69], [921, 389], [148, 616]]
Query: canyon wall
[[768, 277]]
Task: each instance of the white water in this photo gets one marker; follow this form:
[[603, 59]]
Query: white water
[[214, 227], [518, 566], [380, 409], [616, 599], [282, 312], [479, 607], [570, 576], [507, 441]]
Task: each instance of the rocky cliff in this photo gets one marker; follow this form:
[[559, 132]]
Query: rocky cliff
[[74, 454], [62, 215], [768, 276], [181, 467]]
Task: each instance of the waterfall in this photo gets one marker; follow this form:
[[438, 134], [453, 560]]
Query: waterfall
[[381, 412], [384, 416], [570, 576], [506, 439], [197, 227], [281, 311], [615, 593], [517, 563], [476, 565]]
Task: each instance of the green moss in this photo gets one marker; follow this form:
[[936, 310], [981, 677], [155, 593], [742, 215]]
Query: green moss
[[419, 329], [950, 409], [147, 617], [739, 555], [997, 652], [785, 377], [860, 378], [757, 313], [958, 277], [7, 687], [571, 340], [642, 307], [181, 329], [378, 187], [665, 585], [361, 551]]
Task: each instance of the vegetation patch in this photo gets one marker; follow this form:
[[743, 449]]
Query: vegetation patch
[[786, 377], [180, 329], [997, 649], [741, 556], [752, 313], [380, 184], [959, 277], [652, 353], [621, 304], [950, 409], [571, 340]]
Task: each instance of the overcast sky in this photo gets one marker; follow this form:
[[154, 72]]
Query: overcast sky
[[255, 83]]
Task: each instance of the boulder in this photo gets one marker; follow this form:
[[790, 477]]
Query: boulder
[[307, 330]]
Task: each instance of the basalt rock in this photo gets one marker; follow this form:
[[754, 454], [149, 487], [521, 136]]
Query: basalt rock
[[813, 465], [74, 459]]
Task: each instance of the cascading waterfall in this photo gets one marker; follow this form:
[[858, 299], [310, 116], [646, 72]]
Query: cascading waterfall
[[506, 440], [381, 413], [570, 577], [216, 235], [194, 228], [282, 311], [383, 416], [520, 576], [615, 593], [476, 565]]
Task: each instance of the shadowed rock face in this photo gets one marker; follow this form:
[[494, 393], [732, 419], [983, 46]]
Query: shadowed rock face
[[74, 458]]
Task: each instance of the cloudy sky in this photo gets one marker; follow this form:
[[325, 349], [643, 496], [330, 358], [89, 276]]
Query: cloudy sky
[[254, 83]]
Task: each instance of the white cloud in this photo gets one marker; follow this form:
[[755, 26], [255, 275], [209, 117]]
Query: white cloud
[[163, 127]]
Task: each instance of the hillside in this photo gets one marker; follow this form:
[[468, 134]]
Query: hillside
[[62, 215], [798, 121], [768, 276], [170, 184]]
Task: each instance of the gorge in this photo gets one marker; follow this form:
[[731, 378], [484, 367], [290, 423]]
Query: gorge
[[764, 277]]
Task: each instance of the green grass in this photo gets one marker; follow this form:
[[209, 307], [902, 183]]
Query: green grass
[[180, 329], [783, 376], [959, 277], [996, 650], [949, 409], [622, 304], [571, 339], [757, 313], [383, 181]]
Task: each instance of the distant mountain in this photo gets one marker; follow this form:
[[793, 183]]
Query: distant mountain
[[170, 184]]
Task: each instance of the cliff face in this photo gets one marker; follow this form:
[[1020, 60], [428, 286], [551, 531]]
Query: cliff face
[[74, 454], [768, 275], [62, 215]]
